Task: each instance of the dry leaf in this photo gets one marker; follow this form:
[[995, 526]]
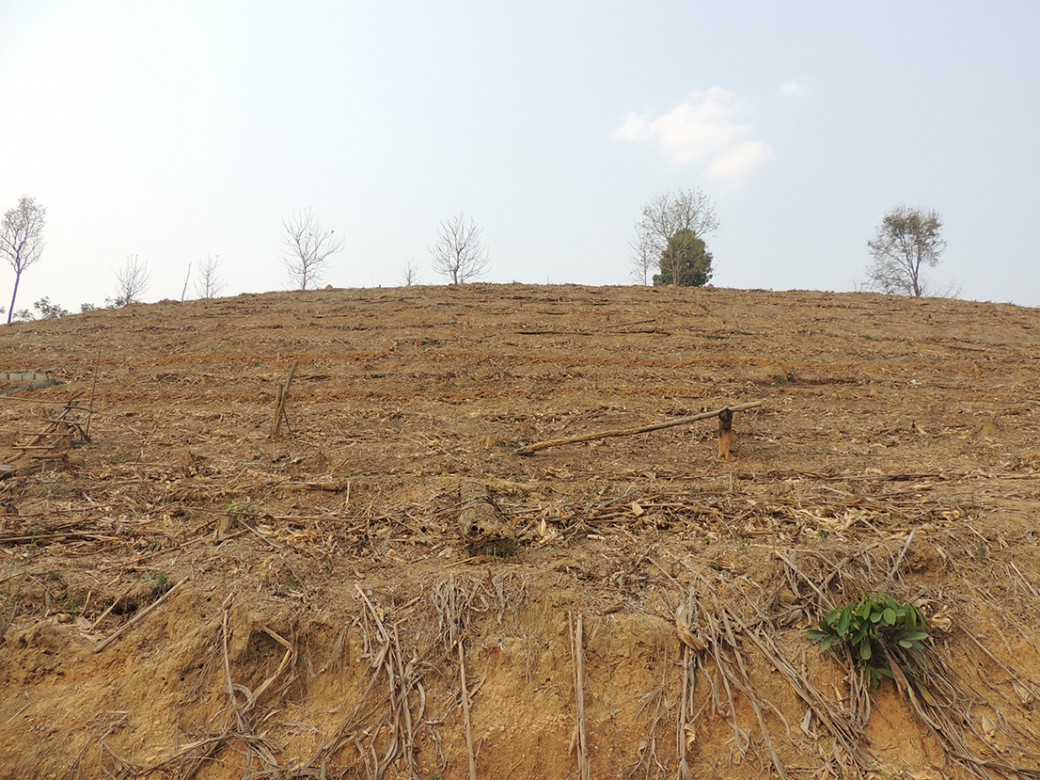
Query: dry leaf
[[806, 724], [989, 728], [1023, 692], [691, 735], [940, 621], [636, 509], [690, 639]]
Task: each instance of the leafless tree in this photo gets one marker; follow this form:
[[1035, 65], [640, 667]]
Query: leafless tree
[[644, 259], [21, 240], [668, 215], [209, 284], [131, 281], [307, 249], [906, 240], [459, 252], [410, 273]]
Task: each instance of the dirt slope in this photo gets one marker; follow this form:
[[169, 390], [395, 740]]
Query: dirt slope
[[313, 608]]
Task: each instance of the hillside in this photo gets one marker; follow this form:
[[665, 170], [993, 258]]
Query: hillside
[[313, 609]]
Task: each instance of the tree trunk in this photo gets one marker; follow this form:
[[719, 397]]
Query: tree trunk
[[14, 294]]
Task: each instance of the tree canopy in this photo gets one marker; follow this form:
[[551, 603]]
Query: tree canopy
[[685, 261], [21, 240], [906, 240], [665, 228]]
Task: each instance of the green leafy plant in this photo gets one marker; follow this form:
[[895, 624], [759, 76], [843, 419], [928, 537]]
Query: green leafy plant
[[879, 632]]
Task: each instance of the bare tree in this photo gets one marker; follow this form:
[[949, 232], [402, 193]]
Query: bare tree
[[131, 281], [459, 252], [209, 284], [21, 240], [307, 249], [687, 211], [410, 273], [643, 259], [906, 240]]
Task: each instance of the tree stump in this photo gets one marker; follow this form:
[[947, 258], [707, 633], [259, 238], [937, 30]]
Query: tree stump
[[483, 528]]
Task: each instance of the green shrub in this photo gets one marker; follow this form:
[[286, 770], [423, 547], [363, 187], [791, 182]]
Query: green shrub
[[879, 631]]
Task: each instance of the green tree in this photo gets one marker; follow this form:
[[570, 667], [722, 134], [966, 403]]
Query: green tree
[[685, 262], [906, 240], [21, 240], [664, 218]]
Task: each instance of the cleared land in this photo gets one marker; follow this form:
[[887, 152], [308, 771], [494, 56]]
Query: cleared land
[[319, 607]]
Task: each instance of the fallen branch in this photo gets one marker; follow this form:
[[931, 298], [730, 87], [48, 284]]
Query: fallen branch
[[533, 332], [138, 617], [541, 445], [328, 487]]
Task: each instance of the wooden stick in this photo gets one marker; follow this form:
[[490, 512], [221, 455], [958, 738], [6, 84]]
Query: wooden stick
[[283, 399], [138, 617], [93, 389], [541, 445], [465, 714], [578, 652]]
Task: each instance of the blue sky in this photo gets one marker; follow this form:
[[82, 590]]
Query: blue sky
[[175, 130]]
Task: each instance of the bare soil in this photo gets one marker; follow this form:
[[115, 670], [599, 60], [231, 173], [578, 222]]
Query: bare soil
[[184, 595]]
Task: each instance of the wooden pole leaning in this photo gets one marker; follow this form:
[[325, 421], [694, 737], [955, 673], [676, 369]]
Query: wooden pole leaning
[[542, 445], [282, 399]]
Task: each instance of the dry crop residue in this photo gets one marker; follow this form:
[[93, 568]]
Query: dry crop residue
[[182, 595]]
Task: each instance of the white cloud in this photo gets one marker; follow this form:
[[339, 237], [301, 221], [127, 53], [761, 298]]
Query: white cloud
[[708, 129], [797, 88]]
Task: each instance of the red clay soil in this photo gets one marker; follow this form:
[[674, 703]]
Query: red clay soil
[[183, 594]]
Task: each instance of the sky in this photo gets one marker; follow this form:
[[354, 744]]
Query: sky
[[176, 131]]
